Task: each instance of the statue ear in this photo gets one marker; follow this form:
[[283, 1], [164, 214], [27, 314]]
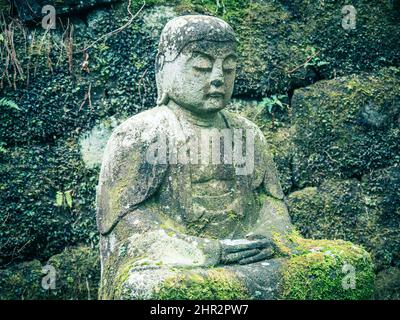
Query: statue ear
[[163, 98], [160, 59]]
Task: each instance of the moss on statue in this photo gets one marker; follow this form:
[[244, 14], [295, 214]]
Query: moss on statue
[[121, 277], [215, 284], [311, 269]]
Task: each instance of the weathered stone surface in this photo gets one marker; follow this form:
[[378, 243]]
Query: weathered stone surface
[[364, 212], [387, 284], [165, 234], [93, 143], [315, 270], [346, 127]]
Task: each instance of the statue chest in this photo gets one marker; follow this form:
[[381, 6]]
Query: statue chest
[[208, 197], [209, 200]]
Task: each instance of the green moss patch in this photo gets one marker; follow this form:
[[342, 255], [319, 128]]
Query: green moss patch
[[327, 270], [77, 276], [215, 284]]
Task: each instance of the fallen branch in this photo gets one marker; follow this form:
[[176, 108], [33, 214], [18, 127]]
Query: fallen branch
[[140, 84], [133, 17], [87, 98], [307, 61]]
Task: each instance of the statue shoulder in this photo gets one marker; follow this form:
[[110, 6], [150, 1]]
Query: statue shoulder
[[147, 125], [127, 179]]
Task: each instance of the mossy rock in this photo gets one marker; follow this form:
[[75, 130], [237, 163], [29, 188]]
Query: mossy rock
[[77, 276], [22, 282], [364, 212], [327, 270], [387, 284], [32, 9], [346, 127], [369, 46], [335, 209], [47, 197], [78, 272]]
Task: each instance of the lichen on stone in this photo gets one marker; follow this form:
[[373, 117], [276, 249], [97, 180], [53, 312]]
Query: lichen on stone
[[214, 284]]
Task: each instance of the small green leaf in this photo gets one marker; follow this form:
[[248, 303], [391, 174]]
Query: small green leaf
[[68, 198], [9, 103], [2, 149], [59, 199]]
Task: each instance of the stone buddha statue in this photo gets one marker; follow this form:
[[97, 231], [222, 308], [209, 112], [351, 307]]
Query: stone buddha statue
[[189, 204]]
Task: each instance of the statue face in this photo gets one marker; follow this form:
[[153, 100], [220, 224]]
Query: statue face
[[201, 78]]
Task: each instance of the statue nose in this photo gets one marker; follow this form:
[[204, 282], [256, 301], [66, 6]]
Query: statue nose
[[217, 75]]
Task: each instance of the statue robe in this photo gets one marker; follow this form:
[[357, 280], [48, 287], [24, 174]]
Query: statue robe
[[157, 220]]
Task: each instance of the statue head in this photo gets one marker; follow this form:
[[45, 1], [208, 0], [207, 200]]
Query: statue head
[[196, 63]]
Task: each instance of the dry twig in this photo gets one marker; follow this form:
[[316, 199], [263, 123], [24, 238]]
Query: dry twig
[[133, 17], [88, 97], [307, 61]]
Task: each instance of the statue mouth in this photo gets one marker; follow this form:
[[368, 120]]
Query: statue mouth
[[216, 95]]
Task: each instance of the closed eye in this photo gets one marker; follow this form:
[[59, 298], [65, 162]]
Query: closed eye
[[204, 66], [202, 62], [232, 69]]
